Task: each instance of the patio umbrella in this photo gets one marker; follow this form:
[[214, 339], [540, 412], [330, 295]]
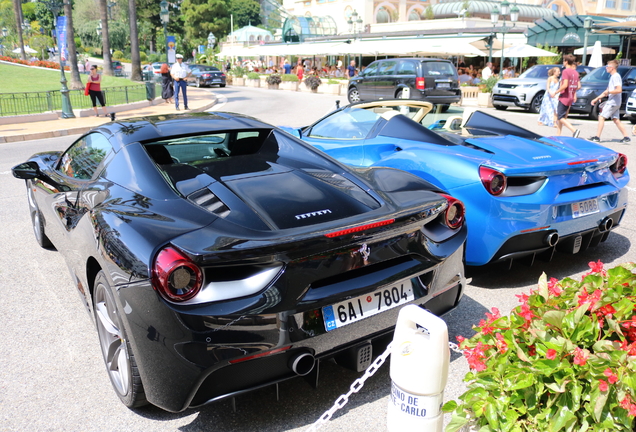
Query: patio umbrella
[[524, 50], [597, 56], [590, 50], [27, 49]]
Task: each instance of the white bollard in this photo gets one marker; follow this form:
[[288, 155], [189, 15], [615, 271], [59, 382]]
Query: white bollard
[[406, 93], [420, 357]]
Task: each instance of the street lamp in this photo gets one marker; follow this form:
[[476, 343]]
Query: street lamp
[[4, 36], [494, 18], [165, 17], [587, 25], [55, 6], [355, 23], [110, 4], [211, 40]]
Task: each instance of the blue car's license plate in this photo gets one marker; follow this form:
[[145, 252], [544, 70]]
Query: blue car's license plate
[[584, 208], [355, 309]]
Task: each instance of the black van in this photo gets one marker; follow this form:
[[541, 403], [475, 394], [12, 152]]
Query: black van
[[430, 79]]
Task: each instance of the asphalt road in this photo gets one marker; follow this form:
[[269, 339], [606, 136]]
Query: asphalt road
[[52, 376]]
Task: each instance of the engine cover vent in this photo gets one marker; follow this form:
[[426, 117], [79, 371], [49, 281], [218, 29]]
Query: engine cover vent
[[206, 199]]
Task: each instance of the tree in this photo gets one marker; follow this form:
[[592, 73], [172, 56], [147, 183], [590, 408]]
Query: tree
[[17, 10], [204, 16], [103, 16], [245, 12], [76, 81], [134, 42]]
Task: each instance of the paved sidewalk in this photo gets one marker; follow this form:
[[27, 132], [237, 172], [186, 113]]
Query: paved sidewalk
[[23, 129]]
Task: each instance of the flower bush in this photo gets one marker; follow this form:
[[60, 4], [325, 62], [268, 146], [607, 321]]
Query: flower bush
[[312, 82], [40, 63], [273, 79], [253, 76], [565, 360]]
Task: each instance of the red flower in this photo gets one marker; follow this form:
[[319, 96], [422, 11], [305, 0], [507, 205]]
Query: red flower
[[580, 356], [523, 297], [554, 288], [485, 328], [526, 313], [611, 376], [597, 267], [475, 355], [602, 385], [551, 354], [501, 343], [593, 299], [532, 350], [460, 338]]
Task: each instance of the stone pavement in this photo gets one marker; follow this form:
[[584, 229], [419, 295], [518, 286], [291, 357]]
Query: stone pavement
[[30, 127]]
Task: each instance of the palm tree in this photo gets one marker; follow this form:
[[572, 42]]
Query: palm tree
[[76, 81], [135, 74], [17, 10], [103, 15]]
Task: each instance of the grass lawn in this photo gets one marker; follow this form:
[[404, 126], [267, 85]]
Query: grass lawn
[[29, 79]]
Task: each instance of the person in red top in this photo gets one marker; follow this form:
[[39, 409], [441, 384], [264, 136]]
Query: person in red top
[[300, 71], [95, 91], [567, 94]]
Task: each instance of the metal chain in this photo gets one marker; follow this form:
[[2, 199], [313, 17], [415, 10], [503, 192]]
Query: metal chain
[[358, 384]]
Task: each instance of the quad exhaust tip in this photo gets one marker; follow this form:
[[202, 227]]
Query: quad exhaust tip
[[302, 363], [552, 239], [606, 224]]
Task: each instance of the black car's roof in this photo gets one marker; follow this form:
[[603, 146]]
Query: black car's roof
[[144, 129]]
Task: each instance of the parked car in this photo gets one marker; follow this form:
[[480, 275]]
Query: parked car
[[118, 68], [152, 72], [205, 75], [429, 79], [526, 195], [527, 91], [630, 107], [596, 83], [219, 254]]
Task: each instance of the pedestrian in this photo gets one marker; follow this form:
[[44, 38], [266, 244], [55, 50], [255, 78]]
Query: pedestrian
[[612, 105], [300, 71], [87, 66], [287, 67], [569, 85], [487, 71], [351, 69], [167, 84], [180, 71], [95, 90], [549, 104]]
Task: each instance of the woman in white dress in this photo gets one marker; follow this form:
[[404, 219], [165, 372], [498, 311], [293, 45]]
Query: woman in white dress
[[547, 114]]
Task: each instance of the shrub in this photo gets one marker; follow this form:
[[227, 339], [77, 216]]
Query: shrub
[[289, 78], [563, 360], [487, 85], [142, 56], [238, 71], [333, 81], [273, 79], [118, 55], [253, 76], [152, 58], [312, 81]]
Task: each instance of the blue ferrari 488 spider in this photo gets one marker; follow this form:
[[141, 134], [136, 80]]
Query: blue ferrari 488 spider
[[525, 194]]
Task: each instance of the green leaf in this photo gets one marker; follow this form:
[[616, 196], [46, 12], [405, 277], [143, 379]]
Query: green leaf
[[564, 416], [450, 406], [543, 286], [492, 414], [599, 404], [554, 317], [457, 422], [519, 381]]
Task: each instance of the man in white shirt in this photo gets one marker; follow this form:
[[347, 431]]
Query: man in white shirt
[[180, 71], [487, 71]]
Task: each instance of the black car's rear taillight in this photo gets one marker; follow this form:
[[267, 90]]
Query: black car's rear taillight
[[493, 180], [455, 214], [618, 168], [176, 277], [420, 83]]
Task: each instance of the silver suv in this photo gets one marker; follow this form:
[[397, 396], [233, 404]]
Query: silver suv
[[526, 91]]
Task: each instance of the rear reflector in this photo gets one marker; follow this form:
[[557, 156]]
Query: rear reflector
[[359, 228], [583, 162], [420, 83], [263, 354]]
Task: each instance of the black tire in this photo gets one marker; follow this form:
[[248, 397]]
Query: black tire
[[198, 83], [222, 85], [445, 108], [632, 120], [535, 105], [37, 221], [116, 349], [594, 112], [500, 107], [353, 95]]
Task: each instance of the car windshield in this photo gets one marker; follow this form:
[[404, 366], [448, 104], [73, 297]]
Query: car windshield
[[536, 72], [600, 75]]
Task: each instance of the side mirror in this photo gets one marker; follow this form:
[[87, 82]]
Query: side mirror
[[26, 171]]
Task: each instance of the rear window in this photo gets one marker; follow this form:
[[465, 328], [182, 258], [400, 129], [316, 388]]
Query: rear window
[[536, 72], [438, 69]]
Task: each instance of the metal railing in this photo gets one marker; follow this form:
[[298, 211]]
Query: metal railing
[[40, 102]]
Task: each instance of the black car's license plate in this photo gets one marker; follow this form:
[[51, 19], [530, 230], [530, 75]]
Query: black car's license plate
[[355, 309]]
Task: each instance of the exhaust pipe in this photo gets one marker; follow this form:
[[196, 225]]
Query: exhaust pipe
[[606, 224], [551, 239], [302, 363]]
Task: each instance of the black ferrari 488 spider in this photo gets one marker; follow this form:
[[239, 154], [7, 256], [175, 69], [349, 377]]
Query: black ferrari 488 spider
[[219, 254]]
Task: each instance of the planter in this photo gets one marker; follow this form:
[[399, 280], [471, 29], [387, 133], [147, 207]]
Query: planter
[[470, 92], [484, 100], [239, 81], [253, 82], [333, 89], [289, 85], [273, 86]]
